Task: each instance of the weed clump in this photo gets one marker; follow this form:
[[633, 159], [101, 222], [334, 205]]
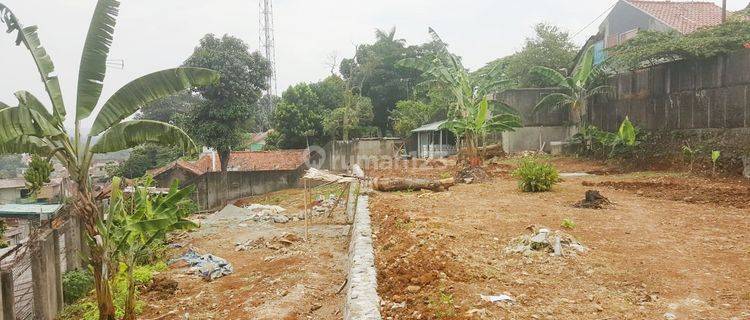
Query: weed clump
[[535, 177]]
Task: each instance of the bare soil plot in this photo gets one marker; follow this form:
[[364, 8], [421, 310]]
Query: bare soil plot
[[649, 257], [278, 277]]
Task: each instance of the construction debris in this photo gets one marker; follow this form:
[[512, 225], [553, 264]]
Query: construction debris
[[593, 200], [556, 243], [208, 266], [275, 243], [257, 213], [411, 184], [498, 298]]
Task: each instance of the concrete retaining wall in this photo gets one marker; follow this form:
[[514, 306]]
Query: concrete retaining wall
[[533, 138], [342, 155], [362, 300], [215, 189], [694, 94]]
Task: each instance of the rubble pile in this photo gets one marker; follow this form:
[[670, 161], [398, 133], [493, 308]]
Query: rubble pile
[[274, 243], [556, 243], [264, 213]]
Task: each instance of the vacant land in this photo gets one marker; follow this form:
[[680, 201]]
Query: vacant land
[[278, 276], [669, 246]]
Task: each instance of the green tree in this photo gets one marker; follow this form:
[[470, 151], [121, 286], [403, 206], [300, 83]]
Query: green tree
[[411, 114], [171, 109], [374, 74], [298, 118], [550, 47], [146, 157], [350, 120], [219, 122], [30, 127], [469, 114], [576, 89], [37, 174]]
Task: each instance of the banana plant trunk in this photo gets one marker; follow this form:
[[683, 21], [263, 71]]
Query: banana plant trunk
[[89, 214], [130, 300]]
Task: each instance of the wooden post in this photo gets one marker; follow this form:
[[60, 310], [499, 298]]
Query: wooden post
[[307, 219], [9, 302]]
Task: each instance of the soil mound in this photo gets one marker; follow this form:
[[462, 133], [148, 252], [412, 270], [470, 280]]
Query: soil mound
[[472, 174]]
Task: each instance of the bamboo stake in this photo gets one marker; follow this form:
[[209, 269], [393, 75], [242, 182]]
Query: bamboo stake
[[307, 223]]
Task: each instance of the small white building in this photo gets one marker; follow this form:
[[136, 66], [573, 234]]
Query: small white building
[[10, 190], [434, 142]]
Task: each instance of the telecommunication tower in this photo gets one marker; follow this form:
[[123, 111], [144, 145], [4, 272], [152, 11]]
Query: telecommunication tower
[[268, 51]]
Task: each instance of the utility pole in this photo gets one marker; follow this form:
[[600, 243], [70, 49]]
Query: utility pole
[[723, 11], [268, 50]]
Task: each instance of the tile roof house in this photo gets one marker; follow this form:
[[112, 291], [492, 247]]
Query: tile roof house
[[239, 161], [630, 16]]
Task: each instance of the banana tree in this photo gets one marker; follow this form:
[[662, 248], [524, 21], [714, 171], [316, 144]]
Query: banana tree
[[32, 127], [445, 69], [469, 113], [134, 223], [576, 89], [478, 123]]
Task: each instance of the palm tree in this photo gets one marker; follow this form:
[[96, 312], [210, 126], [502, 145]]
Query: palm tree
[[30, 127], [576, 89], [469, 114]]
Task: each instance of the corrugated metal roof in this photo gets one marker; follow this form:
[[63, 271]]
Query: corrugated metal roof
[[435, 126], [29, 209]]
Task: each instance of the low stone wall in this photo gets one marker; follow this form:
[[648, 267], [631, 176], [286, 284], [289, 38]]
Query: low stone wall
[[362, 300]]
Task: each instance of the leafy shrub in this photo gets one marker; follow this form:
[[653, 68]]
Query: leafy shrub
[[592, 141], [86, 308], [76, 285], [535, 176]]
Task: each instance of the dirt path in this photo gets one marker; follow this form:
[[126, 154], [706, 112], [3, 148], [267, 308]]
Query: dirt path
[[279, 277], [649, 258]]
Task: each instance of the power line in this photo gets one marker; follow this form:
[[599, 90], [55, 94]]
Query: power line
[[595, 19]]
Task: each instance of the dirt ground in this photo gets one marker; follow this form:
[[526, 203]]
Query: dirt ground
[[279, 277], [670, 246]]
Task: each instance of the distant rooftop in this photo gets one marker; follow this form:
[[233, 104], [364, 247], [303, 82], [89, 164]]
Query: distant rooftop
[[12, 183], [685, 17], [44, 211], [242, 161], [435, 126]]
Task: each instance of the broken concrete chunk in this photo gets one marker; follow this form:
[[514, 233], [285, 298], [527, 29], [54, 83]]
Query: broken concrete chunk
[[557, 243]]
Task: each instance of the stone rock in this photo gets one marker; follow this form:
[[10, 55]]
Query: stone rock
[[280, 218], [539, 240], [413, 289], [670, 316]]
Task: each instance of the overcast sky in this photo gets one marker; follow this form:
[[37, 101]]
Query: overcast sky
[[158, 34]]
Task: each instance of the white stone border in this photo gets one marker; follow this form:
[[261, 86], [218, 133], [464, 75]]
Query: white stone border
[[362, 300]]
